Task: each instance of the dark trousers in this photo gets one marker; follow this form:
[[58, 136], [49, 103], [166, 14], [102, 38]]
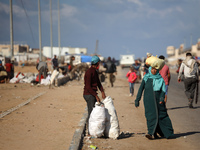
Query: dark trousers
[[42, 71], [90, 100], [190, 85]]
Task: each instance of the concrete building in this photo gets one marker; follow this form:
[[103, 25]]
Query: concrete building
[[5, 50], [179, 53], [63, 51]]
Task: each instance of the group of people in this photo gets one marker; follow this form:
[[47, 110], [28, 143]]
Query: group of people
[[43, 68], [7, 71], [155, 87]]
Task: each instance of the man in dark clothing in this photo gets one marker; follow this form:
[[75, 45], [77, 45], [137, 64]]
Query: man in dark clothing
[[110, 69], [55, 63], [91, 81]]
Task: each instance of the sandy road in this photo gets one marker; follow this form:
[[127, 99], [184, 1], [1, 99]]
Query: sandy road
[[49, 122]]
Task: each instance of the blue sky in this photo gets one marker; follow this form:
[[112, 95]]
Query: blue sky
[[120, 26]]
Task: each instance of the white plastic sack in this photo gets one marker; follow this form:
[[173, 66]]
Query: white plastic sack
[[21, 76], [112, 124], [60, 76], [46, 81], [28, 79], [97, 121], [14, 80], [54, 76]]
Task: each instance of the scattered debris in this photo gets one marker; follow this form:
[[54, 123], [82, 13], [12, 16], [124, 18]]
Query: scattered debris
[[93, 147]]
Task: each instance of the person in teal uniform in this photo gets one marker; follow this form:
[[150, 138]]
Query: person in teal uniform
[[158, 121]]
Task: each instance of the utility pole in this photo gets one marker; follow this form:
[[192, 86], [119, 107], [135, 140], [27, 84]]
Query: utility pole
[[40, 37], [59, 28], [96, 49], [11, 30], [51, 38]]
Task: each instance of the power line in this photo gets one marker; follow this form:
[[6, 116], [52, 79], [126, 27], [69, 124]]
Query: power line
[[28, 20]]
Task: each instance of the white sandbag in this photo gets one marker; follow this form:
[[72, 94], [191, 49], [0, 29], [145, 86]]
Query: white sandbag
[[112, 124], [14, 80], [97, 121], [28, 79], [46, 81], [60, 75], [54, 76], [21, 76]]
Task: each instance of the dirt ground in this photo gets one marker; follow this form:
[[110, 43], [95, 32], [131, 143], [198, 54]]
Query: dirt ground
[[49, 122]]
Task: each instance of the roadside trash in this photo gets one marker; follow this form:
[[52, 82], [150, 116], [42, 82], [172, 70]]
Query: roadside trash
[[93, 147], [112, 124], [97, 120], [88, 141]]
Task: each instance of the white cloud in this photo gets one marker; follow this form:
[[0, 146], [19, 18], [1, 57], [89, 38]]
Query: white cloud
[[164, 12], [17, 11], [68, 11], [138, 2], [4, 8]]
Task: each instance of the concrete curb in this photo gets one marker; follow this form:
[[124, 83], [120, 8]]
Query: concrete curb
[[79, 133], [20, 105]]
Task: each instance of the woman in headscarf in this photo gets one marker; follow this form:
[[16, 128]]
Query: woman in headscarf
[[156, 115]]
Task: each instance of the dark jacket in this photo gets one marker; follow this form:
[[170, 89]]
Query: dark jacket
[[91, 81], [110, 67], [55, 62]]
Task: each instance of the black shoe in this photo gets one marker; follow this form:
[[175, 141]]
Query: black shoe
[[149, 136]]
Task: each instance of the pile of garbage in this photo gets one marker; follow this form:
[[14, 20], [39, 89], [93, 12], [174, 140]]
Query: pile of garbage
[[31, 78]]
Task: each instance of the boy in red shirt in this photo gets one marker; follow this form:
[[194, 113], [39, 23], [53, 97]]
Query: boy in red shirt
[[131, 75]]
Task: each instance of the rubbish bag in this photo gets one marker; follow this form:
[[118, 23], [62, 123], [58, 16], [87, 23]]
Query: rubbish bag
[[97, 120], [112, 124]]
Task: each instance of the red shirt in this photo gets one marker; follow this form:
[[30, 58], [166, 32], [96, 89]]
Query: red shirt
[[131, 77], [164, 73], [91, 81], [8, 67]]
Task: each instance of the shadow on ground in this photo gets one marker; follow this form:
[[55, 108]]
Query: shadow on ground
[[185, 134], [182, 107], [125, 135]]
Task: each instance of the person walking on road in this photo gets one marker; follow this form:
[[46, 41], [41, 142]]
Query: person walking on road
[[110, 69], [91, 82], [191, 78], [158, 121], [165, 73], [131, 75]]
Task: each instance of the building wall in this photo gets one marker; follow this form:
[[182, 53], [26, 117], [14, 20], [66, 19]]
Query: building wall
[[180, 53], [5, 50]]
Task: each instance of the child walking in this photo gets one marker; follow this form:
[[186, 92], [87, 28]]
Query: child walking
[[131, 75]]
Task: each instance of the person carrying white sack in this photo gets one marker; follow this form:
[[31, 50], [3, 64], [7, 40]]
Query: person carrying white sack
[[91, 81]]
